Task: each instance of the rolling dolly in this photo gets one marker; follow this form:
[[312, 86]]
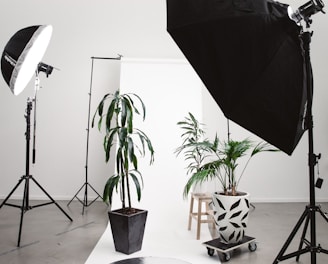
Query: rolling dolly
[[220, 247]]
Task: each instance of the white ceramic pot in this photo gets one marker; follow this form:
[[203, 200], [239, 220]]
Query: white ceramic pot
[[231, 216]]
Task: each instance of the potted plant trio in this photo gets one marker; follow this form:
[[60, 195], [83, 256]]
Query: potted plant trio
[[220, 161], [124, 143]]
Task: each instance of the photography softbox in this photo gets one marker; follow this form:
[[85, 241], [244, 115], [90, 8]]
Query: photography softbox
[[249, 57]]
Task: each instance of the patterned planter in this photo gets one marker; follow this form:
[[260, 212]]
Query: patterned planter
[[231, 216]]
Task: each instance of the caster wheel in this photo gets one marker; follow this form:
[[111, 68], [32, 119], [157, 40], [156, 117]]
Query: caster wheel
[[252, 246], [210, 251], [226, 256]]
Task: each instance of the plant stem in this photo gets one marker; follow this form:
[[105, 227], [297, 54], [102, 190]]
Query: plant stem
[[123, 193], [128, 187], [233, 191]]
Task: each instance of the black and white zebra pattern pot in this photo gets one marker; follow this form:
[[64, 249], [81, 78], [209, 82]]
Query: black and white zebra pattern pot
[[231, 216]]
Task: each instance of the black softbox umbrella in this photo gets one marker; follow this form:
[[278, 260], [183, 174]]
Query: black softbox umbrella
[[249, 56]]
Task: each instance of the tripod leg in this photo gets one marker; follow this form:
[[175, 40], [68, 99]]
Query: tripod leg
[[95, 191], [85, 203], [319, 209], [85, 197], [13, 190], [75, 196], [52, 199], [303, 236], [23, 209], [291, 236]]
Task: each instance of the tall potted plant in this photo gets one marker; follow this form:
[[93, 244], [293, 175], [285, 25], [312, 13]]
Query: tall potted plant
[[128, 143], [231, 206]]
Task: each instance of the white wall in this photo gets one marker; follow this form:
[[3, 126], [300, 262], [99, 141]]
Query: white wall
[[136, 29], [169, 89]]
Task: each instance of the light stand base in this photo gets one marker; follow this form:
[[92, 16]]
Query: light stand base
[[85, 202], [25, 203], [306, 217]]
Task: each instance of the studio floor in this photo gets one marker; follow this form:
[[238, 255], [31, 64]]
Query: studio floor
[[48, 236]]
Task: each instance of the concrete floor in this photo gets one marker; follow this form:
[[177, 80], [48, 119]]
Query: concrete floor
[[49, 237], [271, 224]]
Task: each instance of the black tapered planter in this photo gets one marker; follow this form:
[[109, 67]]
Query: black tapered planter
[[128, 229]]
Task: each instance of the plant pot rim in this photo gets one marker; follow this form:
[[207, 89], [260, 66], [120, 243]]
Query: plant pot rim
[[239, 194], [120, 211]]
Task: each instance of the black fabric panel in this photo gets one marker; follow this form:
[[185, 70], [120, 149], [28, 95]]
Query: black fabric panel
[[13, 50], [248, 55]]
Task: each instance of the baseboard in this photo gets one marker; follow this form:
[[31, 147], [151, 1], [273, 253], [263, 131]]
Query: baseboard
[[44, 198], [253, 199], [287, 200]]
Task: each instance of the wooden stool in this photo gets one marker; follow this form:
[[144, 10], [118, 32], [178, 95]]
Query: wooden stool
[[205, 198]]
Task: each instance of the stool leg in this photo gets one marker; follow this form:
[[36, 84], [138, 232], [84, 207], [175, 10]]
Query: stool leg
[[191, 211], [210, 216], [199, 217]]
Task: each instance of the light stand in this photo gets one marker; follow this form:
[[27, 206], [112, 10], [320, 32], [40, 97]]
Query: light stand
[[27, 177], [86, 184], [20, 59], [309, 214]]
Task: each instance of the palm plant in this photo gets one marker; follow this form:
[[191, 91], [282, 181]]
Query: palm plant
[[214, 160], [194, 147], [129, 142], [224, 162]]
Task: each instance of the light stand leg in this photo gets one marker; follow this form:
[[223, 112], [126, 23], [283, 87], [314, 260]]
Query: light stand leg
[[25, 202], [85, 202], [24, 208], [12, 191], [303, 239], [52, 200], [281, 256]]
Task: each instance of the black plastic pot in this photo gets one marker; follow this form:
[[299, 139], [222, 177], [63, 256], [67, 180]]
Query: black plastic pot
[[128, 229]]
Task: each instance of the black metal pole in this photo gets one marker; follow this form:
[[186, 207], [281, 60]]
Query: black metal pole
[[27, 162], [88, 136], [25, 202], [312, 159], [37, 86]]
